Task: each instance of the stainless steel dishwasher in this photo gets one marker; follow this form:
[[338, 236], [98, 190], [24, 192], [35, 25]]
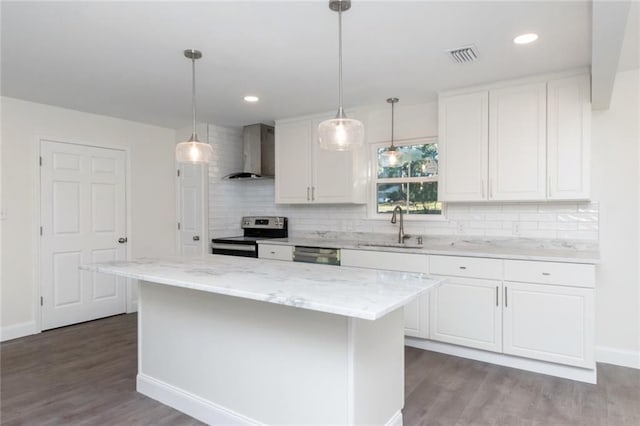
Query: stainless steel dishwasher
[[323, 255]]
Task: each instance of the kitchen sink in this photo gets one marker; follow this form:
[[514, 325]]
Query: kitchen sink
[[392, 245]]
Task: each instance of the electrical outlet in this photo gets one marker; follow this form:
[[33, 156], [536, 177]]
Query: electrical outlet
[[460, 228], [515, 229], [3, 214]]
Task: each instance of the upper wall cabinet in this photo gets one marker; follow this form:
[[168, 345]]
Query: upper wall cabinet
[[307, 174], [568, 138], [519, 142]]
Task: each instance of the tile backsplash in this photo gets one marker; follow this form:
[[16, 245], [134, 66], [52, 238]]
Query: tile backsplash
[[230, 200]]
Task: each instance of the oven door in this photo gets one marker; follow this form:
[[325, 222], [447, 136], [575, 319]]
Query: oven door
[[234, 248]]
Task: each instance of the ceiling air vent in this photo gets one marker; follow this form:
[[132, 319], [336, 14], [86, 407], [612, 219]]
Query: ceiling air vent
[[464, 54]]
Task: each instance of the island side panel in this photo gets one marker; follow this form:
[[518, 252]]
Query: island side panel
[[377, 354], [254, 360]]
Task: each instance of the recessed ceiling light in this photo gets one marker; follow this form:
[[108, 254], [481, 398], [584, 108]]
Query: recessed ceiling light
[[525, 38], [251, 98]]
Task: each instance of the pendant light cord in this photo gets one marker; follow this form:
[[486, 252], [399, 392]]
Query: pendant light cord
[[193, 97], [340, 108], [393, 104]]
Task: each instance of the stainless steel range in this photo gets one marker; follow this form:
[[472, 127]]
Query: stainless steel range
[[255, 228]]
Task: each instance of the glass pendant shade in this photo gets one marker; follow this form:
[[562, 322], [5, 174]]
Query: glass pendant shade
[[391, 157], [193, 152], [340, 134]]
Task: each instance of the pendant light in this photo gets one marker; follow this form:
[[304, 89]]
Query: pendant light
[[391, 157], [193, 151], [340, 133]]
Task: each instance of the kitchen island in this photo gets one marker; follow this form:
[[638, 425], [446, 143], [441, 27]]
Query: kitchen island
[[232, 340]]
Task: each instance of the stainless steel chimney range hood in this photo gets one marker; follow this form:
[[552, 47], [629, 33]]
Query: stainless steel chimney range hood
[[258, 153]]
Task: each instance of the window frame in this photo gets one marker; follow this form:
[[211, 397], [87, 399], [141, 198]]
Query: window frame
[[373, 173]]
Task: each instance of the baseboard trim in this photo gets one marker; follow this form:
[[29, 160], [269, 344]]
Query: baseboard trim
[[16, 331], [620, 357], [551, 369], [188, 403]]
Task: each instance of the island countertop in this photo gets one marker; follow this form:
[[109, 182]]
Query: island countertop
[[359, 293]]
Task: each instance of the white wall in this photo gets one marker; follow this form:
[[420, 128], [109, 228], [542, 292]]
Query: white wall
[[616, 185], [151, 183]]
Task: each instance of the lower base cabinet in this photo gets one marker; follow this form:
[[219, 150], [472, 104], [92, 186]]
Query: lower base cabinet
[[532, 309], [467, 312], [416, 313], [549, 323]]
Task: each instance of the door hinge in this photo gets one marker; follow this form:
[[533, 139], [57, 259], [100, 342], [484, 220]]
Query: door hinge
[[41, 301], [41, 161], [178, 172], [178, 225], [41, 230]]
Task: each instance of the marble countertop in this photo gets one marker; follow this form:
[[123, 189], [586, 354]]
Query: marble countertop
[[360, 293], [500, 248]]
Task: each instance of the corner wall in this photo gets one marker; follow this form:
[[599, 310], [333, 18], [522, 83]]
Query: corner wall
[[151, 182]]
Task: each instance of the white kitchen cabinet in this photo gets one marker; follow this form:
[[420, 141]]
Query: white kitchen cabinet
[[467, 311], [549, 311], [549, 323], [293, 162], [416, 313], [517, 142], [463, 123], [568, 138], [275, 252], [307, 174]]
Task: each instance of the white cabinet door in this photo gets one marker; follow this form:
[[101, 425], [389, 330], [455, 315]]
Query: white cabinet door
[[416, 313], [467, 312], [293, 162], [332, 171], [463, 123], [517, 142], [568, 138], [549, 323]]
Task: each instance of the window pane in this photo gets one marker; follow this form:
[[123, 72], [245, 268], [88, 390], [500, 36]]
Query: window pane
[[390, 195], [423, 198], [417, 161]]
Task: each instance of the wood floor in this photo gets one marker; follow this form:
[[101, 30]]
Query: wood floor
[[85, 375]]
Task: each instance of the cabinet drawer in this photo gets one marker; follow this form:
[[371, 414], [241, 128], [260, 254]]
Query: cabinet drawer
[[570, 274], [404, 262], [276, 252], [470, 267]]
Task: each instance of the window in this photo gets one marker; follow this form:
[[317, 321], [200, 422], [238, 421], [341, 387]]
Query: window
[[413, 184]]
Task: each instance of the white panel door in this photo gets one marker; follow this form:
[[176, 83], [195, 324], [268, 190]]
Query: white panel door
[[467, 312], [517, 142], [83, 215], [550, 323], [193, 238], [463, 123]]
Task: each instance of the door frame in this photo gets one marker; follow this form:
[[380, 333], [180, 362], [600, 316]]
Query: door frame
[[131, 305]]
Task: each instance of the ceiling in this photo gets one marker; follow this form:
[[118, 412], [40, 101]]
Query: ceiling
[[124, 59]]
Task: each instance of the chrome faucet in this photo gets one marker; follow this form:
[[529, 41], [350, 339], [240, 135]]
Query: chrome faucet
[[401, 235]]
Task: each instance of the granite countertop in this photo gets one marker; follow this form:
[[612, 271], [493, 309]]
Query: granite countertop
[[359, 293], [500, 248]]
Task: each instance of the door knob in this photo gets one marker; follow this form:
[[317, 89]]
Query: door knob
[[196, 238], [122, 240]]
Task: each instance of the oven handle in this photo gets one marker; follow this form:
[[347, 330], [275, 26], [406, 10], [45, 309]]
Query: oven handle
[[240, 247]]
